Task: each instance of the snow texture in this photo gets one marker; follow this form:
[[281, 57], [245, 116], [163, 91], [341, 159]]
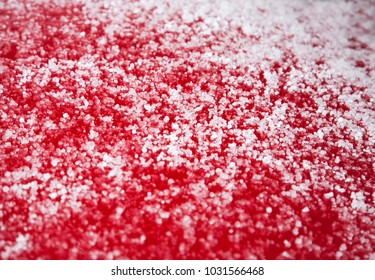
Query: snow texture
[[187, 129]]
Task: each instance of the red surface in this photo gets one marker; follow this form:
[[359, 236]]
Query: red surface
[[192, 130]]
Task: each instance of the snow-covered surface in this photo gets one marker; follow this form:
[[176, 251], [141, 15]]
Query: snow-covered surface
[[187, 129]]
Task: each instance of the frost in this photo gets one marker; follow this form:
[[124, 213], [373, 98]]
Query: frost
[[21, 244], [142, 239], [343, 247], [93, 134], [328, 195], [90, 146], [7, 135], [54, 162], [175, 95], [53, 195], [119, 211], [148, 107], [358, 202], [287, 244], [232, 116], [320, 134], [267, 159], [186, 221], [298, 241]]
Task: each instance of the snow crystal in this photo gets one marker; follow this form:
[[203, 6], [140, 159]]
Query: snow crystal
[[267, 159], [90, 145], [148, 107], [320, 133], [298, 241], [53, 195], [175, 95], [227, 197], [358, 202], [343, 247], [93, 134], [287, 244], [328, 195], [20, 245], [186, 221], [107, 119], [7, 135], [50, 124], [119, 211], [164, 215], [54, 162], [142, 239], [339, 254], [193, 129]]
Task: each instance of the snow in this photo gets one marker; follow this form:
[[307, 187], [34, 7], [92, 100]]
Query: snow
[[180, 129], [305, 209], [7, 135], [54, 162]]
